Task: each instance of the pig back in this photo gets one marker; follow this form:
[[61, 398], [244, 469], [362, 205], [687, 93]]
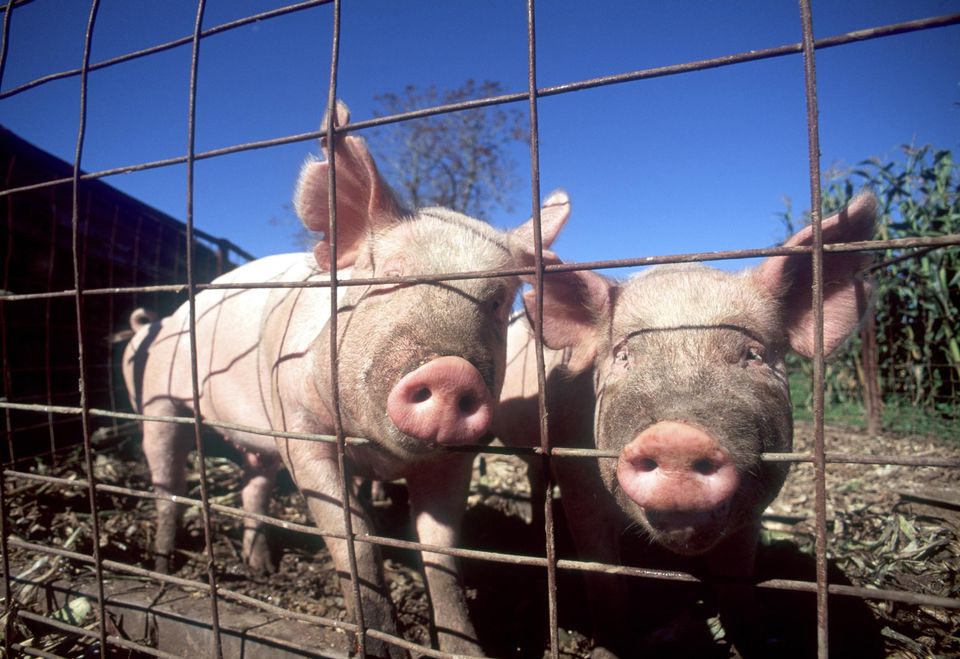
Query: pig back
[[242, 334], [569, 396]]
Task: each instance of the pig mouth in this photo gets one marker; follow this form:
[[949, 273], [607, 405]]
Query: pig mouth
[[409, 448], [687, 533]]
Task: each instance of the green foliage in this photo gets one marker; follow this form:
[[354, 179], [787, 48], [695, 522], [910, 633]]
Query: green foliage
[[917, 298], [899, 416]]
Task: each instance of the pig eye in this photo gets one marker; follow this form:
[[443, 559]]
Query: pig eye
[[392, 267], [496, 303], [753, 355], [621, 356]]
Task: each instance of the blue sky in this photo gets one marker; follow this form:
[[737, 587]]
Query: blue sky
[[686, 163]]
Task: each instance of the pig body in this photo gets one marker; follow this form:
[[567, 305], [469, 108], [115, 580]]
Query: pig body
[[681, 371], [420, 367]]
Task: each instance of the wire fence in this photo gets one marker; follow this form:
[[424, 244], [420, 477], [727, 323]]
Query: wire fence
[[56, 409]]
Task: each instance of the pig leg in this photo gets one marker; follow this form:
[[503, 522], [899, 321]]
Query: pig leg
[[166, 446], [260, 474], [317, 476], [438, 496], [733, 563], [596, 535]]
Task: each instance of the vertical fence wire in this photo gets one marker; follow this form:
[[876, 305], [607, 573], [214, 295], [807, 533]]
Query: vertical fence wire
[[215, 648], [5, 39], [331, 116], [819, 455], [47, 332], [4, 364], [79, 303], [816, 217], [111, 313], [4, 353], [538, 332]]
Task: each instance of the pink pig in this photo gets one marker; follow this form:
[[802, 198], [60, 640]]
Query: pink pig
[[420, 369], [681, 371]]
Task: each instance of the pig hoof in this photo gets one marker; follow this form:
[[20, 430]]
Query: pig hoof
[[261, 563], [262, 568], [258, 552]]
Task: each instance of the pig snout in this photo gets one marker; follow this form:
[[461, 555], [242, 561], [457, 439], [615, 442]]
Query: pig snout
[[683, 481], [444, 401]]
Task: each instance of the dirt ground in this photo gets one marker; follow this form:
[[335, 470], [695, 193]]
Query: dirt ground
[[890, 527]]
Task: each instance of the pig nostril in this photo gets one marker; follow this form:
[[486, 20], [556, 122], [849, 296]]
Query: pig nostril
[[422, 394], [648, 464], [705, 467], [467, 404]]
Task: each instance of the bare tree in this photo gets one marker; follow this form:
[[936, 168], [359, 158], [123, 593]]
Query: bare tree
[[460, 160]]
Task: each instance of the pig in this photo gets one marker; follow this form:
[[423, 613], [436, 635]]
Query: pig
[[679, 370], [420, 370]]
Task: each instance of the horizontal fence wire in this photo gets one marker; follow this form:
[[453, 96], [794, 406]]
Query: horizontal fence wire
[[879, 594], [834, 457], [950, 240], [791, 49], [818, 456], [183, 41]]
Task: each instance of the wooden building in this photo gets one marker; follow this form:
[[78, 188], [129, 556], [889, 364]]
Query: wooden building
[[122, 243]]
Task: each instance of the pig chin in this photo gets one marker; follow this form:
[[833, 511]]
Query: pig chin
[[408, 447], [686, 533]]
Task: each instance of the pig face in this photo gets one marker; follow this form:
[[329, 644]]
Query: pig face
[[398, 342], [420, 364], [692, 392], [690, 381]]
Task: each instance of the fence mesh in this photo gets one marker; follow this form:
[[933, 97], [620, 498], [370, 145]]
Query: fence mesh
[[109, 273]]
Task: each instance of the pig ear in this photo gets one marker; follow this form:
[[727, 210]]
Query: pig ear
[[845, 299], [553, 215], [364, 200], [576, 310]]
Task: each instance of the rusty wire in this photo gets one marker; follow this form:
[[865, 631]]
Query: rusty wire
[[931, 242], [512, 559], [182, 41], [548, 523], [643, 74], [816, 219], [216, 648], [838, 458], [819, 456], [8, 424], [84, 410], [360, 639]]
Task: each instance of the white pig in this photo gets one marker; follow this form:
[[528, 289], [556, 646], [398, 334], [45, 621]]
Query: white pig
[[420, 369]]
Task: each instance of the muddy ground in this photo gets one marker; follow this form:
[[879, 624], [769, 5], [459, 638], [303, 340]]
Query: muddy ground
[[890, 527]]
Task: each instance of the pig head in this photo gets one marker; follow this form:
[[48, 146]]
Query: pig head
[[681, 371], [419, 368]]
